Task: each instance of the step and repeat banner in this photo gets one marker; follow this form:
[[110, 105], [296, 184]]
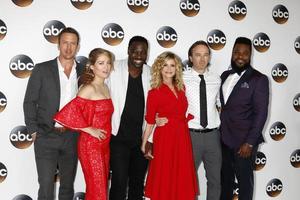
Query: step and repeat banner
[[28, 35]]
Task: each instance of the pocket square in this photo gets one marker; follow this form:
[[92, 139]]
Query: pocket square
[[245, 85]]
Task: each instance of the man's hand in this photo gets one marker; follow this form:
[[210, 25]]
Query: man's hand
[[148, 151], [161, 121], [245, 150]]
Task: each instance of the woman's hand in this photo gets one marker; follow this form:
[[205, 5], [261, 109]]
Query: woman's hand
[[97, 133]]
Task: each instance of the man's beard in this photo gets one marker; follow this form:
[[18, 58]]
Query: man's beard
[[238, 69]]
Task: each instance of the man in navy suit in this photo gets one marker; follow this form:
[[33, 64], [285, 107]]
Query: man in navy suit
[[244, 96]]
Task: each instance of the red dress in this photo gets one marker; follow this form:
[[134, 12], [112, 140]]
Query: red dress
[[171, 174], [93, 154]]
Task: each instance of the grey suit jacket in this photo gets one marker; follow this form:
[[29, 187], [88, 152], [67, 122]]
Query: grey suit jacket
[[42, 96]]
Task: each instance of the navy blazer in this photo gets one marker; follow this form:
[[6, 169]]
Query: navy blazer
[[42, 97], [245, 112]]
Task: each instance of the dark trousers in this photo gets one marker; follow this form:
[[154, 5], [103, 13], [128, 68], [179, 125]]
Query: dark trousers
[[51, 151], [241, 168], [128, 167]]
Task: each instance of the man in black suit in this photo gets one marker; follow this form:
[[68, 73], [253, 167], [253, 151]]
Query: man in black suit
[[244, 99], [51, 85]]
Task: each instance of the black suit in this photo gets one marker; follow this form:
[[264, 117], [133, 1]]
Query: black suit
[[51, 148]]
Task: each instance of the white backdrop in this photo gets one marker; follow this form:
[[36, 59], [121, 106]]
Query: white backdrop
[[25, 26]]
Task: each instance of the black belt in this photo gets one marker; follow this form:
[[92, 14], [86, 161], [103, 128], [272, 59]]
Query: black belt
[[202, 130], [60, 129]]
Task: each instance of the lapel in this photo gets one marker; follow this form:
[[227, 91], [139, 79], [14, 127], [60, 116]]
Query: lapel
[[244, 79], [223, 78], [55, 75]]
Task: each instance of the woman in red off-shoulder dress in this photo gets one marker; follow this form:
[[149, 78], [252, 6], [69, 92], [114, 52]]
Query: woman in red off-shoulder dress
[[171, 174], [90, 113]]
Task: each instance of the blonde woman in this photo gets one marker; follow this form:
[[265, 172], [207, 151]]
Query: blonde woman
[[90, 113], [171, 174]]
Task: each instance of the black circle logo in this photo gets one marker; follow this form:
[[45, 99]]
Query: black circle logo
[[21, 66], [20, 138], [295, 158], [235, 191], [216, 39], [280, 14], [138, 6], [52, 29], [297, 44], [82, 4], [237, 10], [79, 196], [274, 187], [189, 8], [22, 3], [166, 36], [3, 102], [260, 161], [186, 65], [82, 60], [3, 172], [261, 42], [296, 102], [277, 131], [3, 29], [112, 34], [279, 73], [22, 197]]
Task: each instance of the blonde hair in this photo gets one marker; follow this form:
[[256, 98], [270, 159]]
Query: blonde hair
[[156, 79]]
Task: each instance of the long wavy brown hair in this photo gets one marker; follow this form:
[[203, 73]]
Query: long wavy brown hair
[[157, 66], [88, 74]]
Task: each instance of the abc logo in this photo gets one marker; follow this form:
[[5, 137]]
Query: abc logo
[[21, 66], [166, 36], [3, 29], [260, 161], [216, 39], [189, 8], [295, 158], [274, 187], [277, 131], [237, 10], [296, 102], [3, 172], [112, 34], [280, 14], [261, 42], [235, 191], [22, 3], [3, 102], [56, 175], [186, 65], [82, 4], [79, 196], [279, 73], [82, 60], [22, 197], [52, 29], [20, 138], [138, 6], [297, 44]]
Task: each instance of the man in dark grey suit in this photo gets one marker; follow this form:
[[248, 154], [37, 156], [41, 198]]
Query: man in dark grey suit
[[51, 85]]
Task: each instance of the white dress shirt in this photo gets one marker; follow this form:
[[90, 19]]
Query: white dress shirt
[[192, 83], [68, 86], [229, 84]]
